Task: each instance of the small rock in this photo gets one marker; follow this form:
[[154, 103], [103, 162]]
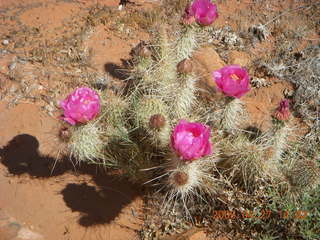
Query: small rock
[[12, 66], [260, 82], [26, 234], [5, 42], [3, 51], [288, 93], [101, 81], [49, 108], [207, 60]]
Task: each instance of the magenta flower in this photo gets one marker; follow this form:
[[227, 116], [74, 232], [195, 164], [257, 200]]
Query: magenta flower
[[283, 112], [204, 12], [81, 106], [232, 80], [191, 140]]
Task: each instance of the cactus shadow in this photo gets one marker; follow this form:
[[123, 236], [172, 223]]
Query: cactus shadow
[[21, 156], [118, 71], [97, 203], [253, 133]]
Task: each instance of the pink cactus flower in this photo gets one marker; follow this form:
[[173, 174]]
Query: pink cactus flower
[[191, 140], [81, 106], [283, 112], [204, 12], [232, 80]]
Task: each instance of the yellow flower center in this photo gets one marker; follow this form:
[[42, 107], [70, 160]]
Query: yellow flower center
[[235, 77]]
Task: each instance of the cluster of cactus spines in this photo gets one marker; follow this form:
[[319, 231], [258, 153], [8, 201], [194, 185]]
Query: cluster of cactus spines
[[233, 82], [186, 183], [86, 144], [185, 96], [151, 116], [245, 160], [304, 174], [198, 14], [233, 114], [164, 70], [187, 43], [281, 138], [189, 166], [282, 131], [142, 60]]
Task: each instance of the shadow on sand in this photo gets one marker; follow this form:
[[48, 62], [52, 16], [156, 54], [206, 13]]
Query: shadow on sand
[[99, 203]]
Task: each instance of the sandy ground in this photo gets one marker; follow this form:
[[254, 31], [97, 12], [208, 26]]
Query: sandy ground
[[60, 202]]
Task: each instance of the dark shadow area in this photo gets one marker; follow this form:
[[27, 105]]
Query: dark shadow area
[[252, 133], [116, 71], [99, 204], [21, 156], [125, 2], [121, 73]]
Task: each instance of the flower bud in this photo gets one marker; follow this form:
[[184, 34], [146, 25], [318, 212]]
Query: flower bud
[[157, 121], [144, 51], [283, 112], [180, 178], [185, 66], [65, 134]]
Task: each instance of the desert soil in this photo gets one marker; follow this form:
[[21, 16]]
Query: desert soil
[[43, 200]]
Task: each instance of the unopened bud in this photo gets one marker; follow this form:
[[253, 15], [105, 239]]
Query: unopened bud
[[185, 66], [157, 121], [65, 134], [180, 178], [144, 51], [283, 112]]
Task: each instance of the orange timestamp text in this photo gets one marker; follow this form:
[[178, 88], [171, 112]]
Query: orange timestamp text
[[261, 214]]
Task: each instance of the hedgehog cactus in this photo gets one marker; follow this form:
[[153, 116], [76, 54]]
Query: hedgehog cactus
[[161, 125], [282, 130], [232, 81], [204, 13], [191, 162]]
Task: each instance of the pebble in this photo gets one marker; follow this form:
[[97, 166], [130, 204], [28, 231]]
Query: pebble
[[49, 108], [26, 234], [5, 42], [12, 66]]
